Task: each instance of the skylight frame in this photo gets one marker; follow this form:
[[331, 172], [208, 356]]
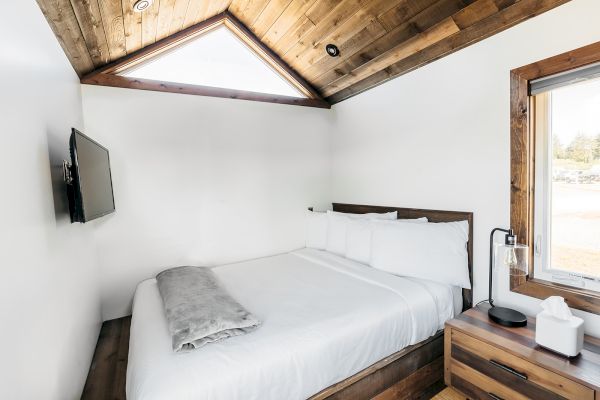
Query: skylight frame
[[218, 58], [109, 74]]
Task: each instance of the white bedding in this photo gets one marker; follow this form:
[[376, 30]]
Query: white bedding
[[324, 319]]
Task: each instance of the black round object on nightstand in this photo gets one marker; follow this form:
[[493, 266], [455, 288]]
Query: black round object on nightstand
[[507, 317]]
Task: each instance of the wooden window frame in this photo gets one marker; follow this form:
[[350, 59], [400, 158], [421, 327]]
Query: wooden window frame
[[522, 159], [108, 75]]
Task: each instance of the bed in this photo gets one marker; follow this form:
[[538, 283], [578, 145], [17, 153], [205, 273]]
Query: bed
[[332, 328]]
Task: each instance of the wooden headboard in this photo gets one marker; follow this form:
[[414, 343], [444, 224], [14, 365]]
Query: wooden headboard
[[432, 216]]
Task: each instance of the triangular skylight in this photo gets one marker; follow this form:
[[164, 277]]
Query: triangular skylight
[[217, 58]]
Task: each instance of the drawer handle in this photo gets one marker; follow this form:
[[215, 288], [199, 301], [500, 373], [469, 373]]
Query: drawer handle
[[493, 396], [509, 369]]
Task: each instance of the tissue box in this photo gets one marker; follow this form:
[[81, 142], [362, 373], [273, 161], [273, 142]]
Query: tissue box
[[562, 336]]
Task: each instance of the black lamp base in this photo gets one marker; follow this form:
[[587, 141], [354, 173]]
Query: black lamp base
[[507, 317]]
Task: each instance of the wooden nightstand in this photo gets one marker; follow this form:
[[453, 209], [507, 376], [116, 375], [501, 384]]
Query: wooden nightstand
[[484, 360]]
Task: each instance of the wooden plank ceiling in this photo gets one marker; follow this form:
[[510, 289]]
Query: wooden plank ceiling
[[378, 39]]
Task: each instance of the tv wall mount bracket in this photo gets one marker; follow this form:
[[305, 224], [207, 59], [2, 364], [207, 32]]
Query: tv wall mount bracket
[[67, 175]]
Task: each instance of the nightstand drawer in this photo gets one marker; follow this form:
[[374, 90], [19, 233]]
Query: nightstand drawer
[[477, 385], [479, 363]]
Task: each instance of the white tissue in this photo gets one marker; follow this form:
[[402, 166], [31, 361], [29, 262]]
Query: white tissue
[[556, 306]]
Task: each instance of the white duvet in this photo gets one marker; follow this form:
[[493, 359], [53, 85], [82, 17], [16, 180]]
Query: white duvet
[[324, 318]]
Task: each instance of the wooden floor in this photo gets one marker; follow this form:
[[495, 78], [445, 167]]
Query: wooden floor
[[106, 378], [449, 394]]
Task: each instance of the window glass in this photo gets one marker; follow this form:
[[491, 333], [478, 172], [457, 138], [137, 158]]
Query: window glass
[[217, 59], [568, 144]]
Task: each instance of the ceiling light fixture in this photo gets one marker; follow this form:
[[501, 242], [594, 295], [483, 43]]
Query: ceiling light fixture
[[142, 5], [332, 50]]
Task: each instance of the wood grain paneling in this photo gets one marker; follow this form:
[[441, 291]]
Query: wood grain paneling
[[421, 41], [507, 17], [417, 385], [411, 20], [132, 23], [215, 7], [249, 12], [449, 394], [346, 31], [537, 383], [170, 87], [419, 366], [378, 39], [179, 14], [109, 74], [336, 17], [484, 359], [166, 12], [348, 60], [292, 14], [149, 24], [583, 370], [195, 9], [90, 22], [106, 378], [268, 16], [64, 24], [475, 12], [483, 382], [291, 37], [112, 19], [466, 13]]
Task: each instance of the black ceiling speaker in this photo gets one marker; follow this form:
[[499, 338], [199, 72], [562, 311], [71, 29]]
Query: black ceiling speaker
[[332, 50]]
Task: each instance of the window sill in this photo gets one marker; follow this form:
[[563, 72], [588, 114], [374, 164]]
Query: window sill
[[580, 299]]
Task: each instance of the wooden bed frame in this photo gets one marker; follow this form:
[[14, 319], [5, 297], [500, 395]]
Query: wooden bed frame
[[416, 372]]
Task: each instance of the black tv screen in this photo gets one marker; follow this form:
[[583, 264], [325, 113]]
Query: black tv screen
[[91, 194]]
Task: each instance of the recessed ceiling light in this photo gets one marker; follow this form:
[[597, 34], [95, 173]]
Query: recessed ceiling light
[[141, 5], [332, 50]]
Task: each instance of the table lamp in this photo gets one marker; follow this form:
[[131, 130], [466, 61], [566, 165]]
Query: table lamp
[[516, 258]]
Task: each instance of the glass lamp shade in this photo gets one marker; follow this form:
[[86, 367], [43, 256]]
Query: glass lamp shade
[[515, 258]]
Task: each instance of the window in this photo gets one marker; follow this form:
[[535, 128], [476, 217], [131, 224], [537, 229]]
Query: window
[[218, 59], [567, 182], [555, 175]]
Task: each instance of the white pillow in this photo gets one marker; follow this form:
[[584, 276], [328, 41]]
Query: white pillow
[[316, 230], [388, 215], [433, 251], [358, 237], [336, 228]]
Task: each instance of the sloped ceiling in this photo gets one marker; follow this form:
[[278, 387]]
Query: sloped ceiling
[[378, 39]]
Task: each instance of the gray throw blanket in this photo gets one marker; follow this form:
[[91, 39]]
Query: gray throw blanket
[[199, 310]]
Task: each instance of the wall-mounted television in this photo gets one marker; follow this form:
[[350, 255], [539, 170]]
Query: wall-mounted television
[[89, 179]]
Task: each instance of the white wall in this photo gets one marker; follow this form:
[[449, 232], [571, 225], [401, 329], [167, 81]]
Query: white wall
[[207, 181], [438, 137], [201, 181], [49, 296]]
